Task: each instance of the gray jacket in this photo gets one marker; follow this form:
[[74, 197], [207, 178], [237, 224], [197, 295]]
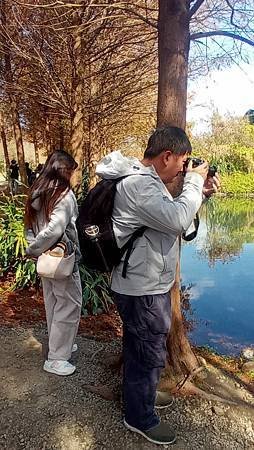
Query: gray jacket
[[142, 199], [62, 223]]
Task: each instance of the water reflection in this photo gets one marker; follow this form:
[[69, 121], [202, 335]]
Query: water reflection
[[218, 268]]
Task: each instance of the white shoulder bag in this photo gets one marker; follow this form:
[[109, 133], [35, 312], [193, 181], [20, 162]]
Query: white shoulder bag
[[55, 263]]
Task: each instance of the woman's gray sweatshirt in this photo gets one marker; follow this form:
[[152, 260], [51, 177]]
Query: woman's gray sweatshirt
[[62, 225]]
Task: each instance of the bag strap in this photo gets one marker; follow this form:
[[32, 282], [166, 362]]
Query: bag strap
[[129, 246]]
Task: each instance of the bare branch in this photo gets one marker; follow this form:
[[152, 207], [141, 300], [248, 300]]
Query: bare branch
[[229, 34], [123, 6], [195, 7], [232, 14], [144, 19]]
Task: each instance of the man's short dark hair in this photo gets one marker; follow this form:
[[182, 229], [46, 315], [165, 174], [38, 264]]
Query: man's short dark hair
[[167, 138]]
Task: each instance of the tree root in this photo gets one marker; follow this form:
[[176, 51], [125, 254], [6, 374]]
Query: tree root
[[96, 353], [101, 390], [188, 377], [190, 388]]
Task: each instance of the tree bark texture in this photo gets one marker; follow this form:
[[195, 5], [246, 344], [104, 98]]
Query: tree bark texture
[[77, 123], [173, 46], [13, 103], [36, 148], [19, 143], [61, 134], [4, 142], [181, 356], [46, 134]]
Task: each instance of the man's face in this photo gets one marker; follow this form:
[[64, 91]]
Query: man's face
[[172, 165]]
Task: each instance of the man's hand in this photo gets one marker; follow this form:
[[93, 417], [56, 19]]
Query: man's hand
[[211, 185], [202, 169]]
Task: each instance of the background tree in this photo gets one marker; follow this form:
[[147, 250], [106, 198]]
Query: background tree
[[8, 75], [175, 22], [88, 75]]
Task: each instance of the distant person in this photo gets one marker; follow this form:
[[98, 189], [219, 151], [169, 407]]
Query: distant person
[[29, 174], [14, 176], [35, 173], [50, 217], [38, 169]]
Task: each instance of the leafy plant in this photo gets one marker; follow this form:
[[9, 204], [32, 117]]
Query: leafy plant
[[230, 147], [96, 292], [13, 242], [238, 183], [82, 193]]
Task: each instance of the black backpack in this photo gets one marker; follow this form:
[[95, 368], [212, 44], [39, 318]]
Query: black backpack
[[101, 252]]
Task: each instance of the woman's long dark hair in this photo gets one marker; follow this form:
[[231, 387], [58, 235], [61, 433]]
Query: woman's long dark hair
[[51, 186]]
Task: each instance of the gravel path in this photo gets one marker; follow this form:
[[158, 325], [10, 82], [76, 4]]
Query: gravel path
[[40, 411]]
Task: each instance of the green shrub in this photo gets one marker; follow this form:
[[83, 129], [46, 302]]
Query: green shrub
[[13, 242], [229, 145], [95, 291], [237, 183]]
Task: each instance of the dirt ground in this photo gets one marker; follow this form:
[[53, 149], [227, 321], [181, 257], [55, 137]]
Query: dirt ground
[[41, 411]]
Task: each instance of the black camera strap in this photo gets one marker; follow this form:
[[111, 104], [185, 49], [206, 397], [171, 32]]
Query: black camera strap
[[194, 233]]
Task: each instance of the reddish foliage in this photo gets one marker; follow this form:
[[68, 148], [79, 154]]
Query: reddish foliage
[[26, 307]]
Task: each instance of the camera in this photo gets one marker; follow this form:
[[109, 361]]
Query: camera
[[196, 162]]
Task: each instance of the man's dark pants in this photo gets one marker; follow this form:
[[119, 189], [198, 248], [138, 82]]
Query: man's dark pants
[[146, 322]]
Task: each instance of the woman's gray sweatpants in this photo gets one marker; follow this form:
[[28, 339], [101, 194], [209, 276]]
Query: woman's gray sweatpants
[[63, 300]]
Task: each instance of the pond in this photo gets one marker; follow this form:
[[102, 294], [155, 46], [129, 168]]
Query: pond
[[217, 273]]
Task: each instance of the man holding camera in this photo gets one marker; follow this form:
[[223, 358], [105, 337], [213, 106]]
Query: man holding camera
[[142, 296]]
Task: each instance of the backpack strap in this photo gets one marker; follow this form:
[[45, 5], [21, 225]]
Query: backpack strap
[[129, 246]]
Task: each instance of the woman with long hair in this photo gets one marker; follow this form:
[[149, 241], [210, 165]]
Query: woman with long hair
[[50, 215]]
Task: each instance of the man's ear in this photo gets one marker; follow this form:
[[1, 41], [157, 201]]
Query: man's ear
[[167, 155]]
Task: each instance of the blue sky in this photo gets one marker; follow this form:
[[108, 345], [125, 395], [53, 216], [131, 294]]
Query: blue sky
[[229, 91]]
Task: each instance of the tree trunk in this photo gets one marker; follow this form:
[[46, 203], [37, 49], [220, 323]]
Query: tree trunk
[[173, 45], [19, 143], [36, 148], [46, 134], [4, 142], [14, 108], [94, 155], [77, 123], [181, 357], [61, 134]]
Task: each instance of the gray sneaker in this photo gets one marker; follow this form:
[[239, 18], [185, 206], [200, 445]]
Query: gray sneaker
[[163, 400], [160, 434]]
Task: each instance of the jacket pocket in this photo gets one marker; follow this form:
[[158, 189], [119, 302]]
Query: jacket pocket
[[151, 325], [153, 352], [169, 252]]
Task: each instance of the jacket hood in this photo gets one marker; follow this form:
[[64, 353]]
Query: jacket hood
[[115, 165]]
